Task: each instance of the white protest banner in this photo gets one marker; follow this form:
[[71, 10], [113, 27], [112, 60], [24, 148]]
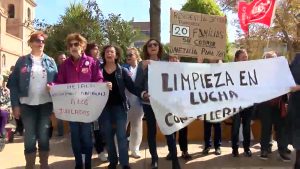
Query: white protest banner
[[79, 102], [195, 34], [186, 91]]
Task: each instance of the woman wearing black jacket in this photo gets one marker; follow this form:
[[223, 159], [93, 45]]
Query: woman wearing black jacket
[[153, 50], [114, 115]]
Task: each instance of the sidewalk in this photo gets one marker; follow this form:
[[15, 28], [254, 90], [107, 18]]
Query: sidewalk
[[61, 157]]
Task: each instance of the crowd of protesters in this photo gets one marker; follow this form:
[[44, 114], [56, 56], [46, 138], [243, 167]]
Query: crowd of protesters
[[128, 103]]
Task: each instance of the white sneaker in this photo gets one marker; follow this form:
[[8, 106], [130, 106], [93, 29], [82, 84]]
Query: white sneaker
[[103, 156], [83, 158], [135, 154]]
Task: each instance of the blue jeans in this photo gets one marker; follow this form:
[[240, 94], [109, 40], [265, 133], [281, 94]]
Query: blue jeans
[[36, 120], [113, 120], [207, 134], [82, 143]]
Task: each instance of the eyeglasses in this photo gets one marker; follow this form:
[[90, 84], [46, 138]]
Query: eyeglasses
[[129, 55], [75, 44], [152, 44], [39, 41]]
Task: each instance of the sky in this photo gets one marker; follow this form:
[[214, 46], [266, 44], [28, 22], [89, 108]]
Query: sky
[[51, 10]]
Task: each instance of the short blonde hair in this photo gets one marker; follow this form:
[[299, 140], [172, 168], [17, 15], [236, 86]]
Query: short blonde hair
[[76, 36], [136, 52], [269, 53]]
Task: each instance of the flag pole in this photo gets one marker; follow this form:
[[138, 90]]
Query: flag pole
[[268, 41]]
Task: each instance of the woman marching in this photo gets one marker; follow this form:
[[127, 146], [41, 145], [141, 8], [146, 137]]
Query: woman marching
[[80, 68], [31, 100], [153, 50]]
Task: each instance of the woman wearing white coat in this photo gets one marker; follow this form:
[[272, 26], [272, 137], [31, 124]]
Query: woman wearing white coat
[[135, 113]]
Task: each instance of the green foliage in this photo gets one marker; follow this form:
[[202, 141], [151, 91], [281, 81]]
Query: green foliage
[[120, 32], [88, 20], [209, 7]]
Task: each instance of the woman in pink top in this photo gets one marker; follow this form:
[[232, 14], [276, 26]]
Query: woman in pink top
[[79, 68]]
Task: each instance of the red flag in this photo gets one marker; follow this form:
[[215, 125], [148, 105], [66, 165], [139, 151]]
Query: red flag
[[258, 11]]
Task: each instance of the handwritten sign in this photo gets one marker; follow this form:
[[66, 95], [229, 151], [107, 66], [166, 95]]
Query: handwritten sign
[[79, 102], [188, 91], [194, 34]]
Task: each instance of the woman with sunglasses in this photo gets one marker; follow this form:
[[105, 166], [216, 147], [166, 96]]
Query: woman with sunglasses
[[114, 115], [31, 100], [80, 68], [135, 113], [153, 50]]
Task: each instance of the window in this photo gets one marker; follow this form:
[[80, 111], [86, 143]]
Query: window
[[29, 14], [11, 11]]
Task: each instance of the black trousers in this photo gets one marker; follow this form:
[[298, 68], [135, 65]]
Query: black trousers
[[151, 135], [243, 117], [207, 134]]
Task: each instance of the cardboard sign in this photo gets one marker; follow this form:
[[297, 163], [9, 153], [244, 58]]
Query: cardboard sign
[[194, 34], [79, 102]]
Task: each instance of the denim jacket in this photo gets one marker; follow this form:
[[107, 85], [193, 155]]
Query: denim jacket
[[20, 78]]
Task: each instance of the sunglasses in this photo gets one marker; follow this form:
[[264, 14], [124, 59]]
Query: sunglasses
[[129, 55], [39, 41], [75, 44], [152, 44]]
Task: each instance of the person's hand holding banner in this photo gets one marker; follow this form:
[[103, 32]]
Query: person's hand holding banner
[[79, 102]]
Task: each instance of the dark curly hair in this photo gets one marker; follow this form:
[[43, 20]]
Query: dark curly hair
[[118, 53], [160, 50]]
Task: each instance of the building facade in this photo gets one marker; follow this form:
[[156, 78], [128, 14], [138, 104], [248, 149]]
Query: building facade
[[15, 29], [144, 27]]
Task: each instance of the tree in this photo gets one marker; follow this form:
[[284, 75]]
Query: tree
[[88, 20], [209, 7], [120, 32], [154, 12]]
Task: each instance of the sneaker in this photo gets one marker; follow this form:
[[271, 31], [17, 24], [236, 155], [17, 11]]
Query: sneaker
[[169, 157], [235, 153], [206, 151], [103, 156], [264, 155], [218, 151], [284, 157], [154, 164], [185, 155], [247, 153], [135, 154]]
